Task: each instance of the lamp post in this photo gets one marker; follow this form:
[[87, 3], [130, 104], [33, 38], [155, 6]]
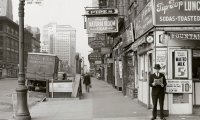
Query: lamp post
[[22, 112]]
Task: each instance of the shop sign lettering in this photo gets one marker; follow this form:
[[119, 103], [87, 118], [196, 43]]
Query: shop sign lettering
[[181, 64], [144, 20], [102, 24], [185, 36], [97, 44], [96, 37], [177, 12], [179, 86], [101, 11], [94, 56]]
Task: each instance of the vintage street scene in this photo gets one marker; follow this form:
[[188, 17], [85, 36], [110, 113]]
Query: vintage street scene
[[99, 59]]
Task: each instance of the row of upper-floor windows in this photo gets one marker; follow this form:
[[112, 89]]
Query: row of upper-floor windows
[[9, 56], [9, 29], [8, 43]]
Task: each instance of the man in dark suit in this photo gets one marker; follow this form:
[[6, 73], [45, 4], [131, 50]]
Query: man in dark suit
[[158, 84]]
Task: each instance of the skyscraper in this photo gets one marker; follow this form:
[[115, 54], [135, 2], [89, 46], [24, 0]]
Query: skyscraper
[[6, 8], [61, 41]]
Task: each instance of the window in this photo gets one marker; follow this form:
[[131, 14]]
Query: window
[[1, 54], [1, 27], [1, 41], [8, 29], [7, 42]]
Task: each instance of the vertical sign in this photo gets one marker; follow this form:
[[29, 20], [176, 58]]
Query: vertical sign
[[181, 64], [161, 58]]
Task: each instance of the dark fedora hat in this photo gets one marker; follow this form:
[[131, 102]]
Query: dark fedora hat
[[157, 66]]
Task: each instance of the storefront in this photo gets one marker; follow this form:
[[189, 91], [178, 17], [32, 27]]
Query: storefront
[[176, 49], [117, 67]]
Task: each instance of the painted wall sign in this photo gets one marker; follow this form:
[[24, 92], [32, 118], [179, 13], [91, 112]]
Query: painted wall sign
[[144, 21], [179, 86], [177, 12], [181, 64], [102, 24], [185, 36], [161, 58], [106, 11], [128, 35]]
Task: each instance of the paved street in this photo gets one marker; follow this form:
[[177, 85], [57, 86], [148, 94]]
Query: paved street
[[7, 88], [102, 103]]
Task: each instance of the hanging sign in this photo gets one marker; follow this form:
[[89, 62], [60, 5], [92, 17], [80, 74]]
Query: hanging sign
[[181, 64], [102, 24], [179, 86], [106, 11]]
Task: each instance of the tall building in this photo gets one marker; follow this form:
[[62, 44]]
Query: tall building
[[6, 8], [60, 40]]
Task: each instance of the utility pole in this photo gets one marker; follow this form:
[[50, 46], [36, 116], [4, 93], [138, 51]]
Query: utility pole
[[22, 112]]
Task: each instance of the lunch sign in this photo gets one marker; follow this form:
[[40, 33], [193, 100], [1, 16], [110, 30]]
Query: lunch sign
[[167, 13], [177, 12]]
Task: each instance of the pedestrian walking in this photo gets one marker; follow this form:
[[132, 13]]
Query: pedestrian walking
[[87, 82], [158, 84]]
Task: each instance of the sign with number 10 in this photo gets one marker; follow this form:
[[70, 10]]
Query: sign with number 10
[[179, 86]]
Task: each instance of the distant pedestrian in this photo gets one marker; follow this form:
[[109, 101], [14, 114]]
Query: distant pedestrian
[[87, 82], [158, 84]]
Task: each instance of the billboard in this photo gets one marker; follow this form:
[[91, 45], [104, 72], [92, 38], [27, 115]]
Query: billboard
[[102, 24], [177, 12]]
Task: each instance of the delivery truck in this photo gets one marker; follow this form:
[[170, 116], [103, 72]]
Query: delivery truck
[[41, 68]]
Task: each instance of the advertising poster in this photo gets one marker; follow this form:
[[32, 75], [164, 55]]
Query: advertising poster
[[161, 58], [181, 64], [179, 86], [102, 24]]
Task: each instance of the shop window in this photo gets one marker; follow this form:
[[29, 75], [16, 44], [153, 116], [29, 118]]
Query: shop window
[[196, 64], [180, 98]]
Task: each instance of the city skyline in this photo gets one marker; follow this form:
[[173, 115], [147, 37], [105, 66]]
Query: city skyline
[[40, 15]]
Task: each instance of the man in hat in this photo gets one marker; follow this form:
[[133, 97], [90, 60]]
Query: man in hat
[[158, 84]]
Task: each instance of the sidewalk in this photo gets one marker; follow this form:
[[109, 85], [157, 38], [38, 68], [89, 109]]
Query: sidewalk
[[102, 103]]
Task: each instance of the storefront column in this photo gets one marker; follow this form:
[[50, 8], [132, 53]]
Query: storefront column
[[124, 79]]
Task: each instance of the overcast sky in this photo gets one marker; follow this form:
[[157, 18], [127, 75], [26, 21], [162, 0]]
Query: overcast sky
[[67, 12]]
